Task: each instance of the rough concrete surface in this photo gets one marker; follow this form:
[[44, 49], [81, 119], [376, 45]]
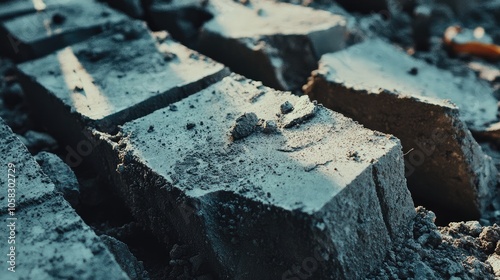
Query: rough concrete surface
[[460, 250], [119, 75], [33, 186], [276, 43], [52, 242], [314, 193], [61, 175], [37, 34], [45, 238], [444, 164]]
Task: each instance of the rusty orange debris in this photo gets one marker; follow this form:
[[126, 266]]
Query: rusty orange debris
[[476, 48]]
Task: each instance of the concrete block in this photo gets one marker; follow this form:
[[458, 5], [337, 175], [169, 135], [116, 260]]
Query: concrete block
[[44, 238], [386, 90], [29, 184], [302, 198], [52, 242], [34, 35], [61, 175], [13, 8], [117, 76], [276, 43]]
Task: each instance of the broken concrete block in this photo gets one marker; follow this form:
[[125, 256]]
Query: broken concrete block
[[276, 43], [117, 76], [37, 34], [50, 241], [44, 237], [22, 173], [386, 90], [305, 199], [64, 178]]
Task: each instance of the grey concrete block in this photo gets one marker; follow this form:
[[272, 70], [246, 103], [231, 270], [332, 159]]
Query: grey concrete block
[[120, 75], [13, 8], [44, 237], [384, 89], [37, 34], [303, 199], [276, 43], [52, 242], [64, 178], [29, 183]]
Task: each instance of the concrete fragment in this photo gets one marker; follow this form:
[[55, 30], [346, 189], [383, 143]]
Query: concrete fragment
[[245, 125], [268, 201], [286, 107], [280, 47], [31, 184], [127, 261], [37, 34], [303, 110], [63, 177], [104, 82], [52, 242], [494, 261], [445, 167], [44, 237]]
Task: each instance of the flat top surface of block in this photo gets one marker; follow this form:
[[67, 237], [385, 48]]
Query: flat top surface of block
[[11, 8], [65, 17], [118, 69], [375, 64], [29, 182], [298, 166], [52, 242], [267, 18]]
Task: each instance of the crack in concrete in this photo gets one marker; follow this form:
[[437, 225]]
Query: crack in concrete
[[313, 167]]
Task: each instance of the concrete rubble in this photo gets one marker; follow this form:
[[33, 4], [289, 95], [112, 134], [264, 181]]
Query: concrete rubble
[[411, 99], [163, 164], [46, 238], [250, 202]]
